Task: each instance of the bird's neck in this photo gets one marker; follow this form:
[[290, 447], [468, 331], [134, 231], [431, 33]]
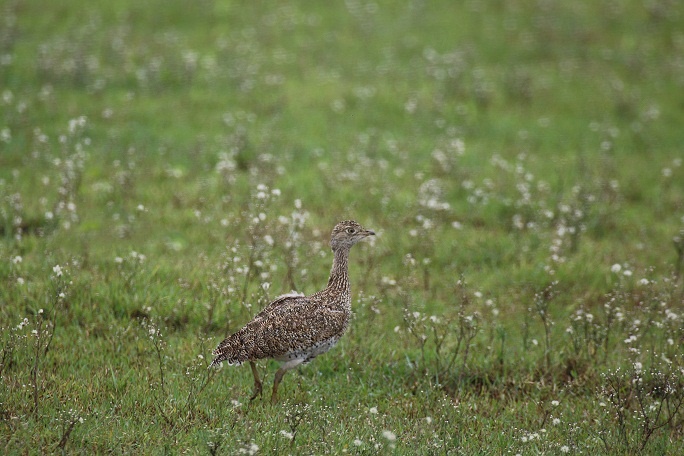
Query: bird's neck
[[339, 277]]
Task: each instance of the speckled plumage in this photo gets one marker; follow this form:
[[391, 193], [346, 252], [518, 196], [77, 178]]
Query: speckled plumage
[[294, 328]]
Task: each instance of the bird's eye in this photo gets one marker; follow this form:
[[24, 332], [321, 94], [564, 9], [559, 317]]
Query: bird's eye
[[351, 230]]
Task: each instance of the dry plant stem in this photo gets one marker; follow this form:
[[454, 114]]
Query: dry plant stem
[[678, 242], [290, 276], [41, 352], [469, 338], [293, 421], [34, 374], [6, 356], [547, 342], [542, 301], [158, 351], [67, 432], [250, 266], [53, 323], [194, 393]]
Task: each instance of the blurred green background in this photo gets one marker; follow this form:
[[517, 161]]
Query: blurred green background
[[173, 156]]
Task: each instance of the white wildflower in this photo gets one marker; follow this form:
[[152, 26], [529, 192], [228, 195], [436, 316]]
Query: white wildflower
[[57, 270], [631, 339], [389, 435]]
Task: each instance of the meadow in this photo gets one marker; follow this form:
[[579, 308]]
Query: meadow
[[168, 167]]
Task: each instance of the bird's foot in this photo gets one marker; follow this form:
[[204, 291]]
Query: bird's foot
[[257, 391]]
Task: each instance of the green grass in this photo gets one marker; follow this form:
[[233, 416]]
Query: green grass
[[520, 161]]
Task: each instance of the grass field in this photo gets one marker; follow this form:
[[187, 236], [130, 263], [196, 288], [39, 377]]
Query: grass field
[[169, 167]]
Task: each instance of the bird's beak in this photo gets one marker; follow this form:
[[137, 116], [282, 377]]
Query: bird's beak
[[370, 233]]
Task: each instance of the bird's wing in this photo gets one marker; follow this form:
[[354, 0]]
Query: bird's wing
[[294, 327], [294, 324], [240, 346], [289, 299]]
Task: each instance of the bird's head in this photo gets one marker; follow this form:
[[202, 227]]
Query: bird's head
[[348, 233]]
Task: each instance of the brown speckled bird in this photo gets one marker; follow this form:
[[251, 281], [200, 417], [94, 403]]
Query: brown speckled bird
[[294, 328]]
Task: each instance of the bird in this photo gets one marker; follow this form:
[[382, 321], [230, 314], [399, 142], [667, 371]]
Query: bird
[[294, 328]]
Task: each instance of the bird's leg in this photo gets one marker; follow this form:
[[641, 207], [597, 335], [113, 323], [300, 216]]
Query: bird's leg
[[257, 382], [278, 377]]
